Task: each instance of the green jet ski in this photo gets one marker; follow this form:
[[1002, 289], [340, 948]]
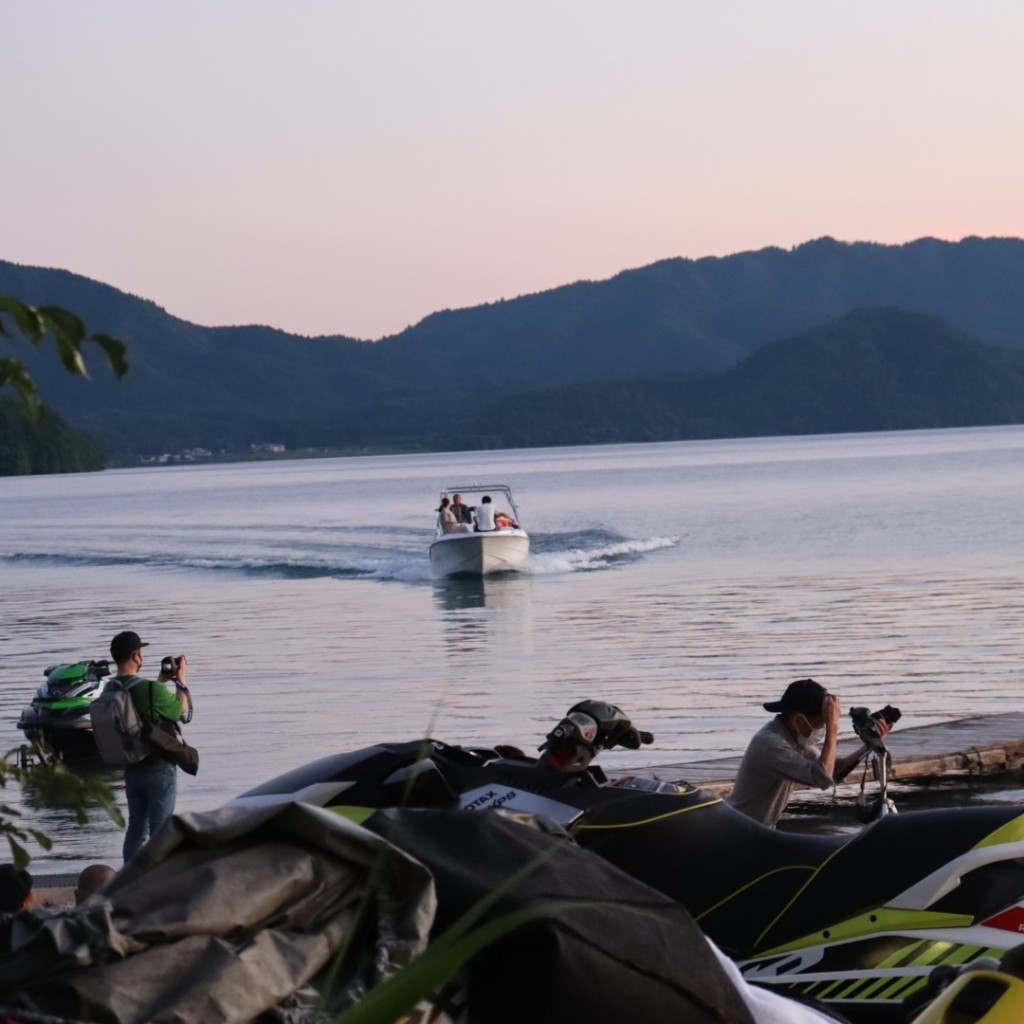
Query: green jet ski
[[58, 717]]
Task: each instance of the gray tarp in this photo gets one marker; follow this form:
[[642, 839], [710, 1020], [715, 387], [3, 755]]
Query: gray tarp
[[222, 916]]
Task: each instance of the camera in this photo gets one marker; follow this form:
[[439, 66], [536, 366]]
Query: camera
[[888, 714], [865, 724], [169, 666]]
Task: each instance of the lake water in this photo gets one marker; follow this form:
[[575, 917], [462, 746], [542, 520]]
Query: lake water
[[686, 582]]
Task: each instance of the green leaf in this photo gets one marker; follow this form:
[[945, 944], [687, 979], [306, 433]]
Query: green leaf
[[41, 838], [115, 350], [15, 373], [18, 854], [69, 334], [64, 324], [28, 320], [70, 355]]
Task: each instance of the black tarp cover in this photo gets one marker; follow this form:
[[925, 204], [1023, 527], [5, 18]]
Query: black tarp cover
[[615, 951], [226, 916], [221, 916]]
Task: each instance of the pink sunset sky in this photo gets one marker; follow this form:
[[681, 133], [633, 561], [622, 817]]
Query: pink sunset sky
[[335, 167]]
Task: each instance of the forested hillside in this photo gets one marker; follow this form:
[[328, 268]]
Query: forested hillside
[[879, 369], [47, 445], [489, 375]]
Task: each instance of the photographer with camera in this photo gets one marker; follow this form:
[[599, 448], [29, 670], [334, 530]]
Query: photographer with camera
[[798, 746], [150, 785]]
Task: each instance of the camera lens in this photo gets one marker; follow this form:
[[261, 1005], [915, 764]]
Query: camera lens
[[889, 714]]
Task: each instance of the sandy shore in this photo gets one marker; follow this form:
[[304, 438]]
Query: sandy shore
[[48, 896], [54, 890]]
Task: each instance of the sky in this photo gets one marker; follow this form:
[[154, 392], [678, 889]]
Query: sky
[[343, 167]]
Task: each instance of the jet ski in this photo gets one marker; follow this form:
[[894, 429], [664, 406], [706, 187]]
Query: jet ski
[[988, 991], [856, 922], [57, 720]]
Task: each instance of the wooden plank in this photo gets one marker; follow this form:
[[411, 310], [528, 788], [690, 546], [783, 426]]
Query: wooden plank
[[982, 745]]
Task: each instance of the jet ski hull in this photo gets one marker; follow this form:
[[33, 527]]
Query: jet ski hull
[[68, 736], [856, 922]]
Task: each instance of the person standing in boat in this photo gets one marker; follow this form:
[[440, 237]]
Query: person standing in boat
[[798, 746]]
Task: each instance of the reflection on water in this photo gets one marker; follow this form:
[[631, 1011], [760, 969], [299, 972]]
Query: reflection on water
[[503, 590], [479, 612]]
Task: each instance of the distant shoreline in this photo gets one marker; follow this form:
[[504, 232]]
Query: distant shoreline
[[242, 456]]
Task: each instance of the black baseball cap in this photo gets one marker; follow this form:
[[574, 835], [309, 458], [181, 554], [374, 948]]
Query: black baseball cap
[[804, 695], [125, 644]]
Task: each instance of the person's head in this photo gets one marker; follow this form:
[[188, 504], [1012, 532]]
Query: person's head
[[485, 500], [126, 650], [802, 706], [445, 502], [456, 499], [15, 889], [91, 880]]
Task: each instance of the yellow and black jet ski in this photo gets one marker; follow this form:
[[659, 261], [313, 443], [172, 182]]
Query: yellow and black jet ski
[[856, 922]]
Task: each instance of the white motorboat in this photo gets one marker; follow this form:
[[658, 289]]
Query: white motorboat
[[485, 536]]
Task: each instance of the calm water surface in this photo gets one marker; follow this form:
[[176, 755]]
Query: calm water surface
[[686, 582]]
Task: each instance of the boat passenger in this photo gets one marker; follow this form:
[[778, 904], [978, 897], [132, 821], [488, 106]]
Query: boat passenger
[[446, 517], [798, 746], [488, 518], [484, 515], [463, 513]]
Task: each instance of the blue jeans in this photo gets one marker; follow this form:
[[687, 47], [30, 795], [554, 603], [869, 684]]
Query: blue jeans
[[150, 788]]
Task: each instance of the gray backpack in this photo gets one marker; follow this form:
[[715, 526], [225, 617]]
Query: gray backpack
[[120, 734]]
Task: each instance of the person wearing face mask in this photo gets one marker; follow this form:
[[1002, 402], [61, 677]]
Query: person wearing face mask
[[797, 747]]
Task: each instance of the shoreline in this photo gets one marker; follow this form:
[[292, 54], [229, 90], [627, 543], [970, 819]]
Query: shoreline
[[54, 892]]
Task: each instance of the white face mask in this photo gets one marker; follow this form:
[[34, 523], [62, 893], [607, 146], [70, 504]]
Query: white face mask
[[814, 739]]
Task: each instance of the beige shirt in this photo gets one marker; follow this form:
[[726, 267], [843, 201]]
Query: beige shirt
[[772, 765]]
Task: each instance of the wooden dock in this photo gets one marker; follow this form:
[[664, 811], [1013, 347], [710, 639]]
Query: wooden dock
[[986, 745]]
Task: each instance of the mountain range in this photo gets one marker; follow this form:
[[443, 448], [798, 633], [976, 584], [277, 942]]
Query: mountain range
[[828, 336]]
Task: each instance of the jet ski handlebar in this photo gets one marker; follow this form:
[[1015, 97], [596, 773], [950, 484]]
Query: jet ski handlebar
[[596, 725]]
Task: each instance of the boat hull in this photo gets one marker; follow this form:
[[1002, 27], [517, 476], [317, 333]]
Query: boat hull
[[479, 554]]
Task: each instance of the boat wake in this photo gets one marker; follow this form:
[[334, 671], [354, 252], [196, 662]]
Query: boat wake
[[551, 554], [589, 551]]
